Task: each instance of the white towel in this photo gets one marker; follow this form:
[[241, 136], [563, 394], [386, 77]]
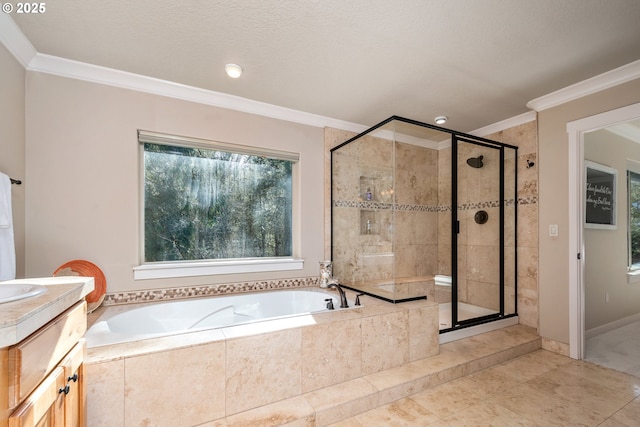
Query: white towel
[[7, 245]]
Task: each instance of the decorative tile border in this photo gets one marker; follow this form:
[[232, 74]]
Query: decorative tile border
[[205, 290], [168, 294], [361, 204], [529, 200]]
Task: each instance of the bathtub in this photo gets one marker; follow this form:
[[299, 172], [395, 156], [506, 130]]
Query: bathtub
[[119, 324]]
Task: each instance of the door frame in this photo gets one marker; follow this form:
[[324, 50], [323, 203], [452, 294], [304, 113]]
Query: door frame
[[577, 257], [455, 229]]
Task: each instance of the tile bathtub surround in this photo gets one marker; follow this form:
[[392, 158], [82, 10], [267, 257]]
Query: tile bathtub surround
[[167, 294], [177, 379], [329, 358], [105, 386], [330, 404], [250, 366], [263, 369]]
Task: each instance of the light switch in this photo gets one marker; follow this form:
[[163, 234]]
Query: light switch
[[553, 230]]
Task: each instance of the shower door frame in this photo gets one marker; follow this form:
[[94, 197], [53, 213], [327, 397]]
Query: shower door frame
[[457, 138]]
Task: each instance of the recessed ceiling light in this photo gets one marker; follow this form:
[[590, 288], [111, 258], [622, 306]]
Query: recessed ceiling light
[[440, 120], [233, 70]]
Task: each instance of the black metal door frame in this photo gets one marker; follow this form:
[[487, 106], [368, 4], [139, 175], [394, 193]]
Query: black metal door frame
[[455, 231]]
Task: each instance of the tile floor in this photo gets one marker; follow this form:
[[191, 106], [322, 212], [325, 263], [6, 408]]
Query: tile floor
[[618, 349], [538, 389]]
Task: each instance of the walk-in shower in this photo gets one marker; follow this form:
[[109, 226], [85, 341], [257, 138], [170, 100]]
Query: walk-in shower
[[419, 211]]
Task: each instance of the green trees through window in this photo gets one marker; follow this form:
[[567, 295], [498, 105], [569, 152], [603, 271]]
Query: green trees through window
[[202, 204]]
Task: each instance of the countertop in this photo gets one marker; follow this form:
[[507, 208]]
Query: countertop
[[21, 318]]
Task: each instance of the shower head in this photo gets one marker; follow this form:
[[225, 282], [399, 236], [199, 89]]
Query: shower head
[[475, 162]]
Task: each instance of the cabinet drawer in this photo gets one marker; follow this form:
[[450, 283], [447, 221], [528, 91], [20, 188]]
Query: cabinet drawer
[[32, 359]]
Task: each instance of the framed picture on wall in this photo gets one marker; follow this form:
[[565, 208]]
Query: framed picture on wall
[[599, 196]]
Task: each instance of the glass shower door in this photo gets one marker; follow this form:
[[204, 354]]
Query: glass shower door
[[478, 213]]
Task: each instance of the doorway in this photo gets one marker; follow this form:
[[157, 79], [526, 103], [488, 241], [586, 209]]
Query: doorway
[[578, 253]]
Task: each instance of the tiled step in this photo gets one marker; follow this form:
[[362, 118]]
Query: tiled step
[[332, 404]]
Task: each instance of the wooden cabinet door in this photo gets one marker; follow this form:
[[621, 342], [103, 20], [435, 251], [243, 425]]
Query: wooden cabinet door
[[75, 398], [45, 406]]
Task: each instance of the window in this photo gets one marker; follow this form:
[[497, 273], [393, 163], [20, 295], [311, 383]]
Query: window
[[206, 201], [633, 188]]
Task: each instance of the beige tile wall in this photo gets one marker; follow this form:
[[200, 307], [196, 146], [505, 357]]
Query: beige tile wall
[[394, 235], [525, 137], [363, 227]]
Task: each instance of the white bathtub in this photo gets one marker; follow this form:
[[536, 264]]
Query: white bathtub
[[120, 324]]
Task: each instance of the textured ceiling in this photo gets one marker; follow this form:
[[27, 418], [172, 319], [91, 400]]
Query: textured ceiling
[[476, 61]]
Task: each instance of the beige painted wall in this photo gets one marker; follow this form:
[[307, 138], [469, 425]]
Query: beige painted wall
[[606, 250], [83, 174], [554, 195], [12, 147]]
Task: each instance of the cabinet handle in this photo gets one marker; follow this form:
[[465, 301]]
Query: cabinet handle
[[64, 390], [74, 378]]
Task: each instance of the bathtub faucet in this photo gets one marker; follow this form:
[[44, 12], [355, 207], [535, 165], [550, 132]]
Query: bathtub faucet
[[343, 296]]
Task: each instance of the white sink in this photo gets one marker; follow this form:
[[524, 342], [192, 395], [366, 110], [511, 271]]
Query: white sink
[[16, 291]]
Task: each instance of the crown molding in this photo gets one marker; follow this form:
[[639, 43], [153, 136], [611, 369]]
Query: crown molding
[[108, 76], [595, 84], [15, 41], [527, 117], [21, 48], [518, 120]]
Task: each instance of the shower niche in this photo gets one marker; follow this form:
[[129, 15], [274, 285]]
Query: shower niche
[[419, 211]]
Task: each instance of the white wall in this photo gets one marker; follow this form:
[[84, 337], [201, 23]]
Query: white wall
[[83, 172]]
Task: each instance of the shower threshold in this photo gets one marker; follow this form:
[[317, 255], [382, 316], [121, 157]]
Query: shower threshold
[[465, 311], [470, 311]]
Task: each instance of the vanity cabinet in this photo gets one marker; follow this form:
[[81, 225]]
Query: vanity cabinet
[[45, 406], [46, 374]]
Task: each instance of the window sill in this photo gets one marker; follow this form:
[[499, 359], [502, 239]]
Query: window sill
[[207, 268], [633, 276]]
